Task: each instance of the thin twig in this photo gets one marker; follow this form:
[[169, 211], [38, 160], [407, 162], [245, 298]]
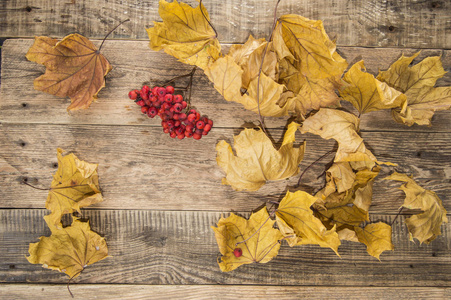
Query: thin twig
[[200, 7], [399, 212], [180, 76], [313, 163], [26, 183], [111, 31]]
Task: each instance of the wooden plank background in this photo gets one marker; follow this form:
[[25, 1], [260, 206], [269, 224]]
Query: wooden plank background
[[162, 195]]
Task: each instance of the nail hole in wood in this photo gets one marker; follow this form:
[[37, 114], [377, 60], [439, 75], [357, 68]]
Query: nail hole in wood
[[55, 165], [28, 9], [436, 4], [391, 28], [12, 266], [23, 144], [24, 105], [25, 179]]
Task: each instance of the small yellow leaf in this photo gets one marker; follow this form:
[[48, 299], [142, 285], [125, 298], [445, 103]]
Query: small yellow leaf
[[75, 185], [294, 210], [256, 237], [69, 250], [367, 93], [256, 160], [185, 34], [424, 226], [417, 83], [74, 68], [376, 237], [241, 52]]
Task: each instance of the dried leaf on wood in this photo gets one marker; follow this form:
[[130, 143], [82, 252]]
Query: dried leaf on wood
[[417, 83], [310, 67], [367, 93], [74, 185], [376, 237], [294, 210], [256, 237], [425, 226], [69, 250], [256, 160], [185, 33], [226, 75], [74, 68]]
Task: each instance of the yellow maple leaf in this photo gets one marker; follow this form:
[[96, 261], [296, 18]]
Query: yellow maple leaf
[[256, 160], [425, 226], [69, 250], [226, 75], [294, 210], [256, 237], [185, 33], [74, 68], [417, 83], [367, 93], [74, 185], [342, 127], [310, 67], [241, 52]]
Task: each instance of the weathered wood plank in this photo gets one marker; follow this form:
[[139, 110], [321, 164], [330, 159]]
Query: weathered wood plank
[[406, 23], [141, 167], [232, 292], [178, 247], [20, 103]]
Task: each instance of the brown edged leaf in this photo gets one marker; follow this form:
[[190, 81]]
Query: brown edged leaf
[[294, 210], [74, 185], [417, 83], [425, 226], [185, 34], [367, 93], [74, 68], [241, 52], [69, 250], [303, 45], [256, 237], [256, 160], [226, 75]]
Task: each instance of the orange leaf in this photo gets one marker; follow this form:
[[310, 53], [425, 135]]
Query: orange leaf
[[74, 68]]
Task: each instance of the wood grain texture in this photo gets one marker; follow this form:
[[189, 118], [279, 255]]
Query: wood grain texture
[[405, 23], [141, 167], [213, 292], [178, 247], [20, 103]]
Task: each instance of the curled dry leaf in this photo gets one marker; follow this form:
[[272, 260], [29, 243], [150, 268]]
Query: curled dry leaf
[[69, 250], [367, 93], [227, 75], [256, 237], [310, 67], [425, 226], [294, 210], [417, 83], [74, 185], [74, 68], [185, 33], [256, 160]]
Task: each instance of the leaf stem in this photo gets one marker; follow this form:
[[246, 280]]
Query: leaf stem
[[206, 19], [312, 164], [111, 31], [26, 183], [76, 274]]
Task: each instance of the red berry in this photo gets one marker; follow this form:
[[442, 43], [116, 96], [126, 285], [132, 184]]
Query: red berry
[[166, 130], [144, 96], [197, 136], [237, 252], [188, 134], [189, 128], [210, 122], [152, 112], [132, 95], [178, 107], [200, 124], [178, 98], [177, 123], [181, 136], [155, 91], [144, 109], [173, 134], [207, 127], [191, 118], [161, 91], [182, 116], [192, 111], [140, 103], [184, 104], [170, 89], [168, 98], [170, 123], [145, 89]]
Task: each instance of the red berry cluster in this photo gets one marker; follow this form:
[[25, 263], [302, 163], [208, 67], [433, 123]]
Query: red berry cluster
[[172, 110]]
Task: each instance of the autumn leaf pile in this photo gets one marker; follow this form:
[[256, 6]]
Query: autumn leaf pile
[[72, 248], [298, 72]]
